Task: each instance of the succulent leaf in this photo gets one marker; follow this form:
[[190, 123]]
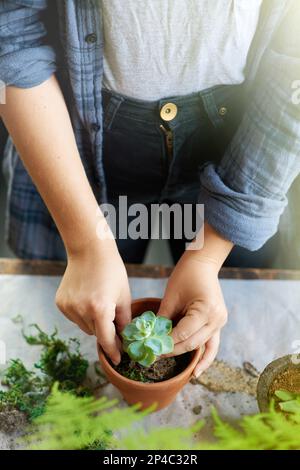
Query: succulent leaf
[[163, 326], [149, 317], [126, 344], [168, 345], [145, 328], [136, 350], [132, 333], [129, 331], [284, 395], [155, 344], [148, 359], [147, 337], [292, 406]]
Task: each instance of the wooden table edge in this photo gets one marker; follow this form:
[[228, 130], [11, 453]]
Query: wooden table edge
[[56, 268]]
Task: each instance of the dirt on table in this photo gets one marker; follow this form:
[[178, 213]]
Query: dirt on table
[[12, 420], [161, 370], [12, 426], [197, 410], [222, 377], [288, 380]]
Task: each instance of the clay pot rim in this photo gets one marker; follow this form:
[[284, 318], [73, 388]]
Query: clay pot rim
[[141, 385], [271, 371]]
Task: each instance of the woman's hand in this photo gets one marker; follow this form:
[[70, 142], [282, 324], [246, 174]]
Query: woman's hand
[[94, 291], [194, 292], [94, 294]]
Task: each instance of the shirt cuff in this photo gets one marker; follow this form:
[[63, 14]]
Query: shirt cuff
[[246, 219], [28, 67]]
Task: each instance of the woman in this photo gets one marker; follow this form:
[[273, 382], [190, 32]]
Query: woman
[[171, 77]]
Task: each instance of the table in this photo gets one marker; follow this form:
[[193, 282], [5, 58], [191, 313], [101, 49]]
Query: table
[[264, 322], [56, 268]]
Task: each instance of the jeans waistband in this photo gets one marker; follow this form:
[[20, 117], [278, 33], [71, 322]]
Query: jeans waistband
[[206, 101]]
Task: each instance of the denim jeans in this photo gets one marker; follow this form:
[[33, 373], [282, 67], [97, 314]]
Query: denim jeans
[[140, 163]]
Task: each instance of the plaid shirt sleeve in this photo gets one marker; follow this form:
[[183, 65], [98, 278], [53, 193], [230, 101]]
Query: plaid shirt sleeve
[[25, 59], [245, 195]]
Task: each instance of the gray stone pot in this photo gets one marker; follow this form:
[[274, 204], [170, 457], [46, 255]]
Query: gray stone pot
[[267, 377]]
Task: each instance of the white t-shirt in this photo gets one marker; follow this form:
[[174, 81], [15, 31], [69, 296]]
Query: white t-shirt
[[161, 48]]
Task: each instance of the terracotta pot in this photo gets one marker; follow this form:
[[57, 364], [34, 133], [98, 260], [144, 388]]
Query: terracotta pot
[[268, 376], [160, 393]]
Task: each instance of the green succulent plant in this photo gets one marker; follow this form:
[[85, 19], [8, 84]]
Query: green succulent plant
[[147, 337], [289, 401]]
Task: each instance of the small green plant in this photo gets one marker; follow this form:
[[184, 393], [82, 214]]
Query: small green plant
[[60, 362], [71, 422], [289, 401], [79, 423], [27, 392], [147, 337]]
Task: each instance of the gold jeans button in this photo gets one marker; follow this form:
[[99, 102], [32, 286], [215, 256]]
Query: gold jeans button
[[169, 112], [223, 111]]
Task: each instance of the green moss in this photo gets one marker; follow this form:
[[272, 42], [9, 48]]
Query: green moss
[[27, 391], [60, 366], [60, 362], [131, 370], [134, 374]]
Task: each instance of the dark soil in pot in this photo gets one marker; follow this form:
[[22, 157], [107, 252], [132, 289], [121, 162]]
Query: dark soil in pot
[[161, 370]]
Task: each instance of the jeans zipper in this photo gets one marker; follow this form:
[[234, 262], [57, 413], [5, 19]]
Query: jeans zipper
[[169, 141]]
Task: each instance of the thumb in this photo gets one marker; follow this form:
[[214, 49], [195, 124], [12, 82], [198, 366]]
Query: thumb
[[168, 307]]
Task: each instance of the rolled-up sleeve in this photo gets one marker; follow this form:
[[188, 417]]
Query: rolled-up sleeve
[[26, 60], [245, 195]]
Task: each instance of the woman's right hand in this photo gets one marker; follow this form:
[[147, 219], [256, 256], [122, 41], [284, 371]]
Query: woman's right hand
[[94, 293]]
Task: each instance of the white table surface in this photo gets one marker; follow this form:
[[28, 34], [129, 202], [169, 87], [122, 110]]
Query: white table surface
[[264, 323]]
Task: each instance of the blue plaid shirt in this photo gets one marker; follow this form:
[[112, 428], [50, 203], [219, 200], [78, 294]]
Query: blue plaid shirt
[[244, 196]]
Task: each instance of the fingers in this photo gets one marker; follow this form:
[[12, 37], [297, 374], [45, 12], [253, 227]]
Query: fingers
[[123, 315], [190, 324], [97, 319], [193, 342], [83, 326], [211, 350], [71, 315], [168, 308], [106, 332], [119, 344]]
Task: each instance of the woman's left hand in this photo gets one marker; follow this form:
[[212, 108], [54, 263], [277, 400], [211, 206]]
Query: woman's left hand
[[194, 292]]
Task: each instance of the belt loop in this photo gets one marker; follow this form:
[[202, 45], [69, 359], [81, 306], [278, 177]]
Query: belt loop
[[114, 103], [211, 108]]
